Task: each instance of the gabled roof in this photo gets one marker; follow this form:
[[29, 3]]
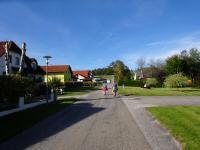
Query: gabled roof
[[84, 73], [57, 68], [11, 46]]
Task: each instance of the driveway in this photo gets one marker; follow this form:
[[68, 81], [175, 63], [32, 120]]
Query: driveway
[[156, 135], [96, 122]]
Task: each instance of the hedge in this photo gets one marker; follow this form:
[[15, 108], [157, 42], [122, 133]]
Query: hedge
[[73, 85], [14, 86], [133, 83], [76, 85]]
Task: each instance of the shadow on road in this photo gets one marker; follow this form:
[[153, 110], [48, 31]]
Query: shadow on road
[[51, 126]]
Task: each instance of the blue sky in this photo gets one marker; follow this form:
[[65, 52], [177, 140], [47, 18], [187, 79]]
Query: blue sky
[[91, 33]]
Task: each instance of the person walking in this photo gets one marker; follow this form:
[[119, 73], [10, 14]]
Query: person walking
[[105, 88], [115, 88]]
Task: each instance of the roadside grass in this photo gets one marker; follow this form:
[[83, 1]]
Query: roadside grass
[[183, 122], [127, 91], [79, 91], [15, 123]]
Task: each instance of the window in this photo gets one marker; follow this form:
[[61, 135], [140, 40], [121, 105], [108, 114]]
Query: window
[[10, 58], [16, 61]]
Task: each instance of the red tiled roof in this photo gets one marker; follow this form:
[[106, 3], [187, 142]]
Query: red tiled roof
[[2, 48], [11, 46], [56, 68], [84, 73]]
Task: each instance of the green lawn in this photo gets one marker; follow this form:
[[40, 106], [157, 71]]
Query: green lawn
[[15, 123], [80, 91], [183, 122], [158, 91]]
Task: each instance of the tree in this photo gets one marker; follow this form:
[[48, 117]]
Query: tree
[[187, 62], [174, 64], [121, 71], [103, 71], [141, 62]]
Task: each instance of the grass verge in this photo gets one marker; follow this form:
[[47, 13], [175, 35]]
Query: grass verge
[[15, 123], [127, 91], [183, 122], [79, 91]]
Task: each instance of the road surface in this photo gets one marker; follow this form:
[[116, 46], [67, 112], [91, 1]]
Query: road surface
[[97, 122]]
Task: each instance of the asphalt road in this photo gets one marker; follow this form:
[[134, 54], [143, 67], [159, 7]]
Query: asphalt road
[[97, 122]]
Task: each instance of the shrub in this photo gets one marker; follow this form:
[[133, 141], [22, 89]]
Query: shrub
[[176, 81], [151, 82], [55, 82], [14, 86], [39, 89], [133, 83], [89, 83]]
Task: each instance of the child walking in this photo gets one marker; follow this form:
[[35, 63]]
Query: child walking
[[115, 88], [105, 88]]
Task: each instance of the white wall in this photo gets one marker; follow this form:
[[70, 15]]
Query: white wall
[[14, 55], [2, 61], [2, 64], [80, 78]]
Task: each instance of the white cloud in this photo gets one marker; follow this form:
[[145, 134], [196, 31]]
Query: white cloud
[[163, 49]]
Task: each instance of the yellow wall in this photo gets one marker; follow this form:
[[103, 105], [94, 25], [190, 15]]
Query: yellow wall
[[59, 76]]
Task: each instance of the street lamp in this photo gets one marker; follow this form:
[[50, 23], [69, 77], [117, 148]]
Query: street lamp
[[47, 63]]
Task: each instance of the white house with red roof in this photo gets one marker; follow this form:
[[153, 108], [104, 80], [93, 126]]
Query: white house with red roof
[[11, 60], [82, 75]]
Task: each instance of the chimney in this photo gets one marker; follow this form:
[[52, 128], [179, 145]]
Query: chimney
[[22, 57]]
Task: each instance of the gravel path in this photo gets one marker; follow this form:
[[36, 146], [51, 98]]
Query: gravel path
[[96, 122]]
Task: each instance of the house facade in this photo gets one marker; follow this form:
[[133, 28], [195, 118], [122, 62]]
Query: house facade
[[82, 75], [62, 72], [11, 60], [14, 55]]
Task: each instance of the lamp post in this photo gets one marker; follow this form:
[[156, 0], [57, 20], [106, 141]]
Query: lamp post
[[47, 63]]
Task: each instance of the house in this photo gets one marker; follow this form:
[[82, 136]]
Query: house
[[62, 72], [14, 55], [33, 70], [13, 59], [83, 75]]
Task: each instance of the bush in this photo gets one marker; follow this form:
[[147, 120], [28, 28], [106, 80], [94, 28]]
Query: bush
[[14, 86], [89, 83], [133, 83], [55, 82], [176, 81], [39, 89], [151, 82]]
